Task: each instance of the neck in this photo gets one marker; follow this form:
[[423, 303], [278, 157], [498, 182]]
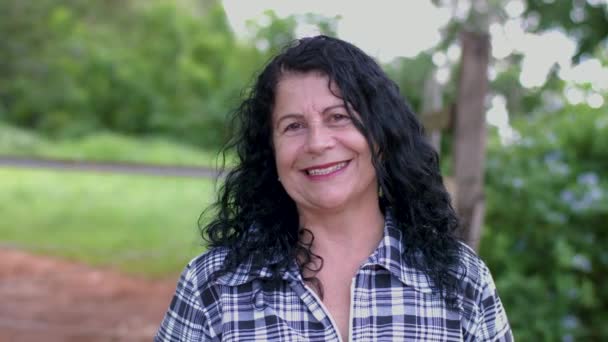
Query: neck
[[352, 233]]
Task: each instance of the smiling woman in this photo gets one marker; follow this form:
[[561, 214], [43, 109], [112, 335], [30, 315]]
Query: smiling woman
[[323, 161], [335, 223]]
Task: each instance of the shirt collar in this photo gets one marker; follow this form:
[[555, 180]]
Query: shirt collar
[[388, 255], [244, 273], [247, 271]]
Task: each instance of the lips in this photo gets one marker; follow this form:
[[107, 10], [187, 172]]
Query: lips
[[323, 170]]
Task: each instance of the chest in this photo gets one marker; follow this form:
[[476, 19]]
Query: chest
[[336, 302], [376, 308]]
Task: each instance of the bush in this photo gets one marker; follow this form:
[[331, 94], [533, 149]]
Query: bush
[[547, 225], [159, 68]]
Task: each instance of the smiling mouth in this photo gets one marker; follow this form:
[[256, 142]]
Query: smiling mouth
[[326, 170]]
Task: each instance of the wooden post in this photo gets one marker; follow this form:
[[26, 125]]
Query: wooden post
[[470, 136]]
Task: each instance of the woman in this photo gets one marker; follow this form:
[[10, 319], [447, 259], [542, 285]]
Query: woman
[[335, 224]]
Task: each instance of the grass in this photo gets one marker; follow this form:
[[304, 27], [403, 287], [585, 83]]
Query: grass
[[138, 224], [103, 146]]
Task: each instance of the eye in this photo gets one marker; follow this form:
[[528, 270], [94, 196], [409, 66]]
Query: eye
[[294, 126], [339, 118]]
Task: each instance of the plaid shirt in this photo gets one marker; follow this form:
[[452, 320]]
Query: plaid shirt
[[390, 301]]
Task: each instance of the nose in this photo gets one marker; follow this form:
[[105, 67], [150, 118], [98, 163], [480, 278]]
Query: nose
[[319, 139]]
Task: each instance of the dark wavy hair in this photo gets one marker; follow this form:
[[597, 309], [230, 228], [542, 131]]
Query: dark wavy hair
[[255, 219]]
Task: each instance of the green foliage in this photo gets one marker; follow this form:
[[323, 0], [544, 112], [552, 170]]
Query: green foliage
[[163, 71], [273, 36], [138, 224], [326, 25], [546, 225], [410, 74], [274, 33], [586, 21], [104, 146]]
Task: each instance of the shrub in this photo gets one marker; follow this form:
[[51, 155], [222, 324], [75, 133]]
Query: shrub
[[547, 221]]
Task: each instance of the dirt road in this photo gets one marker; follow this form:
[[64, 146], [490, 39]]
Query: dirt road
[[45, 299], [108, 167]]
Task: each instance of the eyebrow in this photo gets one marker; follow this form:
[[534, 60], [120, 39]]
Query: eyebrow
[[340, 105], [297, 116]]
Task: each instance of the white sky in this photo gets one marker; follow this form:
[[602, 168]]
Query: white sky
[[391, 28], [384, 30]]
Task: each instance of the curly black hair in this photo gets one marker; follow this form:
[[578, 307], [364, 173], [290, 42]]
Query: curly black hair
[[255, 219]]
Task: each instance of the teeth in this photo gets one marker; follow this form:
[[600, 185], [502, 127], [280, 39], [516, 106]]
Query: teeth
[[320, 172]]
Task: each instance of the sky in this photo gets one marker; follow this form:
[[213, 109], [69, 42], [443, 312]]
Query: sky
[[385, 30], [392, 28]]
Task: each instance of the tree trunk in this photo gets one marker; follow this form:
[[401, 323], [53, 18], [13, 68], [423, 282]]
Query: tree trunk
[[432, 102], [470, 136]]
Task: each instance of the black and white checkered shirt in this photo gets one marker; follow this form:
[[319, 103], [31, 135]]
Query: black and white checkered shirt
[[390, 301]]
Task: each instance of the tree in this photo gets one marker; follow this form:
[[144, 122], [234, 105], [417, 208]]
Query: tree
[[470, 136], [585, 21]]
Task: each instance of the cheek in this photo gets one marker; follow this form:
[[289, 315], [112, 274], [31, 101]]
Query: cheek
[[366, 156], [284, 157]]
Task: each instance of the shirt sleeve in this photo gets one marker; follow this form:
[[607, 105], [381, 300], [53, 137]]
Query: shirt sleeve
[[492, 321], [186, 319]]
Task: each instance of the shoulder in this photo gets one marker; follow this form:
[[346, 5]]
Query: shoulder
[[194, 312], [483, 314], [208, 262], [472, 269], [474, 278], [207, 270], [197, 283], [201, 270]]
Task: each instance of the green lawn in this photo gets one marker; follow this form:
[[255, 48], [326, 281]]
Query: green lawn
[[138, 224], [103, 146]]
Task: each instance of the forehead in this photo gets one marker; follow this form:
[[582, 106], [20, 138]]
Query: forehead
[[298, 88]]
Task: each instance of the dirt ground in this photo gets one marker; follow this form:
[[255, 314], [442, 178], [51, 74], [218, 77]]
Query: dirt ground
[[45, 299]]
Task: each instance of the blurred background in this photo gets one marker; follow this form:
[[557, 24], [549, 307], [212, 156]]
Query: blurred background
[[520, 85]]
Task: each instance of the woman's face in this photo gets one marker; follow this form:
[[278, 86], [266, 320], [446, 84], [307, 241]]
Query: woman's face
[[323, 161]]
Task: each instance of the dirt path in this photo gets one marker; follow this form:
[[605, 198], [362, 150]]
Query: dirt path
[[45, 299], [108, 167]]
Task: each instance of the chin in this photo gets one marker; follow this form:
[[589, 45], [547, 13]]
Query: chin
[[330, 203]]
